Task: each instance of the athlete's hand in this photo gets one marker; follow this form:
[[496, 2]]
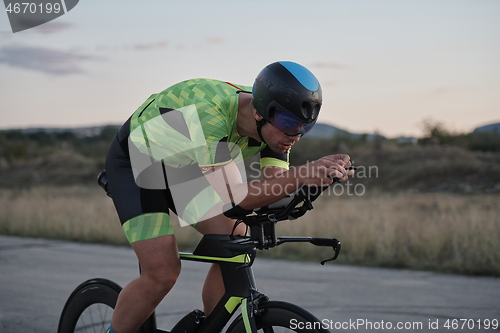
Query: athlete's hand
[[322, 171]]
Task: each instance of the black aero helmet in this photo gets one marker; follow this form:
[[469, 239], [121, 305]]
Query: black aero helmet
[[288, 89]]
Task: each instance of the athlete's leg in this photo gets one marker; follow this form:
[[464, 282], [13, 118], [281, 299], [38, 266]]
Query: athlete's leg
[[142, 203], [160, 267], [213, 289]]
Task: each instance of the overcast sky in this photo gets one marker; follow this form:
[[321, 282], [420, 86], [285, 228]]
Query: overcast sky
[[384, 65]]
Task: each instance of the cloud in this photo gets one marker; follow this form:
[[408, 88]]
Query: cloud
[[140, 47], [53, 26], [150, 46], [43, 60], [39, 23]]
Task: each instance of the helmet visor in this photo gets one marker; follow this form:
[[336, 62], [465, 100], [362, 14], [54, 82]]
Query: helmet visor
[[290, 124]]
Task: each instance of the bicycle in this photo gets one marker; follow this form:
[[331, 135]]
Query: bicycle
[[94, 299]]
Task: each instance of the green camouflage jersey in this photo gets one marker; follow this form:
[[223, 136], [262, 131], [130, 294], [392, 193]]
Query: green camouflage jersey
[[194, 122]]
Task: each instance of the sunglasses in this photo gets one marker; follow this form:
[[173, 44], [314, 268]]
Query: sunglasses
[[290, 124]]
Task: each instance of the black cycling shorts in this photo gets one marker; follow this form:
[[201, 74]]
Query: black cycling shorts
[[144, 210]]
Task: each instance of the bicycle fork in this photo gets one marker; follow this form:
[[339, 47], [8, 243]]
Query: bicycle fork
[[240, 292], [250, 309]]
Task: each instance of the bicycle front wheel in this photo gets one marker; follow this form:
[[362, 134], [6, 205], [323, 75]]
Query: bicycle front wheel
[[281, 317], [90, 307]]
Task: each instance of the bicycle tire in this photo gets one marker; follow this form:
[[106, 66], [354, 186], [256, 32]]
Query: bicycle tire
[[94, 300], [280, 317]]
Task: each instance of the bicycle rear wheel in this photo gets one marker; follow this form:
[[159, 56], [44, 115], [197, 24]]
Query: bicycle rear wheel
[[90, 307], [281, 317]]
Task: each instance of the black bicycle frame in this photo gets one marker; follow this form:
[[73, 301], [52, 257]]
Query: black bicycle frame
[[237, 276], [235, 264]]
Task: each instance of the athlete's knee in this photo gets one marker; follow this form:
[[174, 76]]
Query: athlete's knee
[[163, 278], [160, 263]]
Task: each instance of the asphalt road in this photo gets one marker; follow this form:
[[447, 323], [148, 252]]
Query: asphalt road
[[37, 276]]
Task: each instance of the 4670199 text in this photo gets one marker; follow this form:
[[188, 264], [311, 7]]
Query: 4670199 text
[[33, 8]]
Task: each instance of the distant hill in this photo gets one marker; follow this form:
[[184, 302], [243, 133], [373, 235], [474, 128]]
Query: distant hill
[[495, 128], [319, 131], [78, 131], [325, 131], [35, 157]]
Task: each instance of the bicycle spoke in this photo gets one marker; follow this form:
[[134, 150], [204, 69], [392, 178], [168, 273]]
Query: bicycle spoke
[[103, 316], [91, 319], [83, 321], [90, 307], [94, 319]]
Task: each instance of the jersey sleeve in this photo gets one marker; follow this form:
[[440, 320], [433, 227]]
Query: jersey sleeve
[[192, 122], [269, 158]]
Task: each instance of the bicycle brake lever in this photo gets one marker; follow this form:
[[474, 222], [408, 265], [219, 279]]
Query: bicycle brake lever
[[327, 260], [336, 249]]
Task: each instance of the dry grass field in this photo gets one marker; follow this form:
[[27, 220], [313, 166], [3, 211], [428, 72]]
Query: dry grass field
[[443, 232], [71, 213]]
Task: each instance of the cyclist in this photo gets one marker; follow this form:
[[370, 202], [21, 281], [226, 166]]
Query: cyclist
[[181, 151]]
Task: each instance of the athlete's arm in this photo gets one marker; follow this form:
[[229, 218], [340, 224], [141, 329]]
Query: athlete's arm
[[227, 181], [269, 172]]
